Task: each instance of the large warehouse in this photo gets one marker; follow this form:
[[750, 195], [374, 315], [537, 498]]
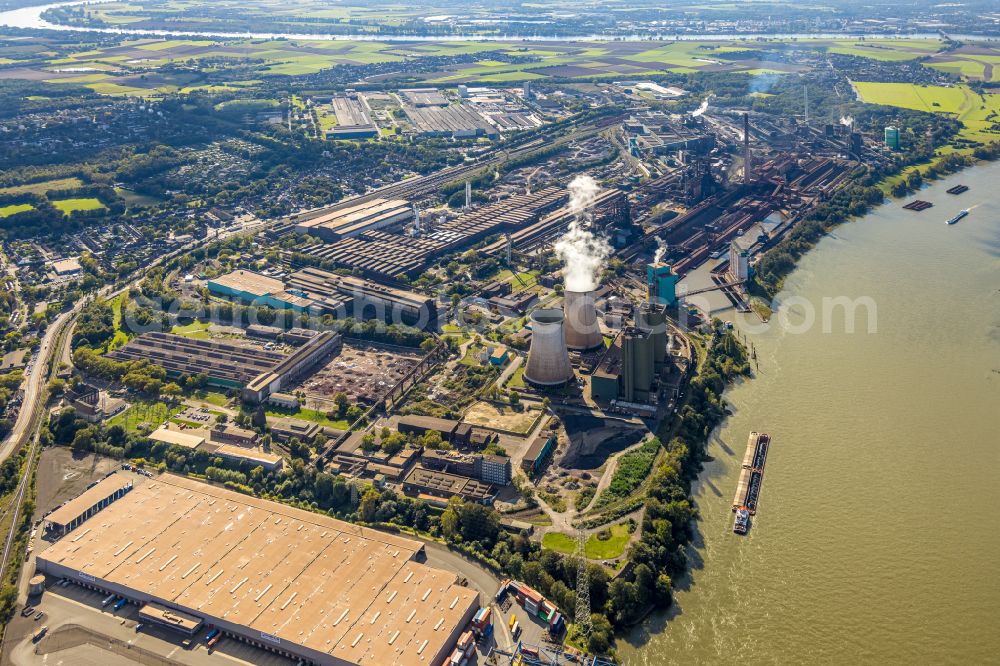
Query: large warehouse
[[287, 580]]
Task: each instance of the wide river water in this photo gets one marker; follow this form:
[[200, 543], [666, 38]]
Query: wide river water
[[878, 535], [31, 18]]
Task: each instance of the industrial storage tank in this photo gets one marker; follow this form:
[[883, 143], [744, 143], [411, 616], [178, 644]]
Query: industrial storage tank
[[36, 585], [548, 359], [582, 331]]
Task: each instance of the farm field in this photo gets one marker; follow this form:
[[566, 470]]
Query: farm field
[[135, 66], [977, 112], [945, 99], [977, 62]]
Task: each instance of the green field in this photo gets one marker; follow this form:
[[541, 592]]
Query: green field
[[976, 112], [135, 199], [68, 206], [44, 186], [152, 413], [120, 337], [595, 548], [13, 209], [212, 398], [108, 72], [196, 329], [313, 415], [911, 96]]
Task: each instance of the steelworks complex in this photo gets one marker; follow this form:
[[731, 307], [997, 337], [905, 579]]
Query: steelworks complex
[[257, 372], [290, 581], [385, 254], [322, 292]]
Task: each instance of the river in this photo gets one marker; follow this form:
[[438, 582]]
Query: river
[[878, 536], [31, 18]]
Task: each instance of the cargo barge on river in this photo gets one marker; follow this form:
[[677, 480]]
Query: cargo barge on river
[[751, 478]]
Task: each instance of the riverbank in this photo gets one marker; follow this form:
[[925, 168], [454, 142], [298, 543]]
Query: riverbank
[[851, 202], [878, 512]]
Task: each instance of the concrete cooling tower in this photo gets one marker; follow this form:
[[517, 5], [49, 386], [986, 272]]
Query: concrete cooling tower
[[548, 360], [582, 330]]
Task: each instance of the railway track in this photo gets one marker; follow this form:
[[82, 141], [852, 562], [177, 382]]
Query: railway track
[[421, 186]]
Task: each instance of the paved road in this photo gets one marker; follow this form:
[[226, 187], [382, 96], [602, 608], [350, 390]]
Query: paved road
[[34, 384]]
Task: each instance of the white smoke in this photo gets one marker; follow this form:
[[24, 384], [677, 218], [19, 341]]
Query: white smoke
[[702, 108], [661, 251], [582, 253], [847, 121]]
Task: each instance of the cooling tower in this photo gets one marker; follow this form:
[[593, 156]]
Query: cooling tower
[[582, 331], [548, 360]]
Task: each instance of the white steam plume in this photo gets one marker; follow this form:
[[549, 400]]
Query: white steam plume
[[702, 108], [581, 251], [661, 251], [847, 121]]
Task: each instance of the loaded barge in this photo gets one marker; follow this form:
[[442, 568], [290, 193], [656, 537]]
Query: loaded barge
[[751, 478], [918, 205]]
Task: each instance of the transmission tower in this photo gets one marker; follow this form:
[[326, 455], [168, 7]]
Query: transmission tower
[[583, 623]]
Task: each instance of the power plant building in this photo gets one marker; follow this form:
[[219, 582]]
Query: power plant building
[[583, 332], [548, 358], [299, 584], [739, 261], [662, 283], [629, 368]]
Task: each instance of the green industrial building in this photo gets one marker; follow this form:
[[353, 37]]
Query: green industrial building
[[892, 137]]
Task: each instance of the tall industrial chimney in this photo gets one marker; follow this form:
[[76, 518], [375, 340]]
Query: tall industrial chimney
[[746, 148], [548, 360], [582, 330]]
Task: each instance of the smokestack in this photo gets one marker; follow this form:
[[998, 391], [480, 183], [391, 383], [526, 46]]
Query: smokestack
[[548, 360], [582, 331], [746, 148]]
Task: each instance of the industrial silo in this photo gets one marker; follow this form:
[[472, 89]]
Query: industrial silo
[[36, 585], [582, 331], [651, 319], [548, 360]]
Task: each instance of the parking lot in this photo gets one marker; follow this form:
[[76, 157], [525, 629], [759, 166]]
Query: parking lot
[[81, 631]]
